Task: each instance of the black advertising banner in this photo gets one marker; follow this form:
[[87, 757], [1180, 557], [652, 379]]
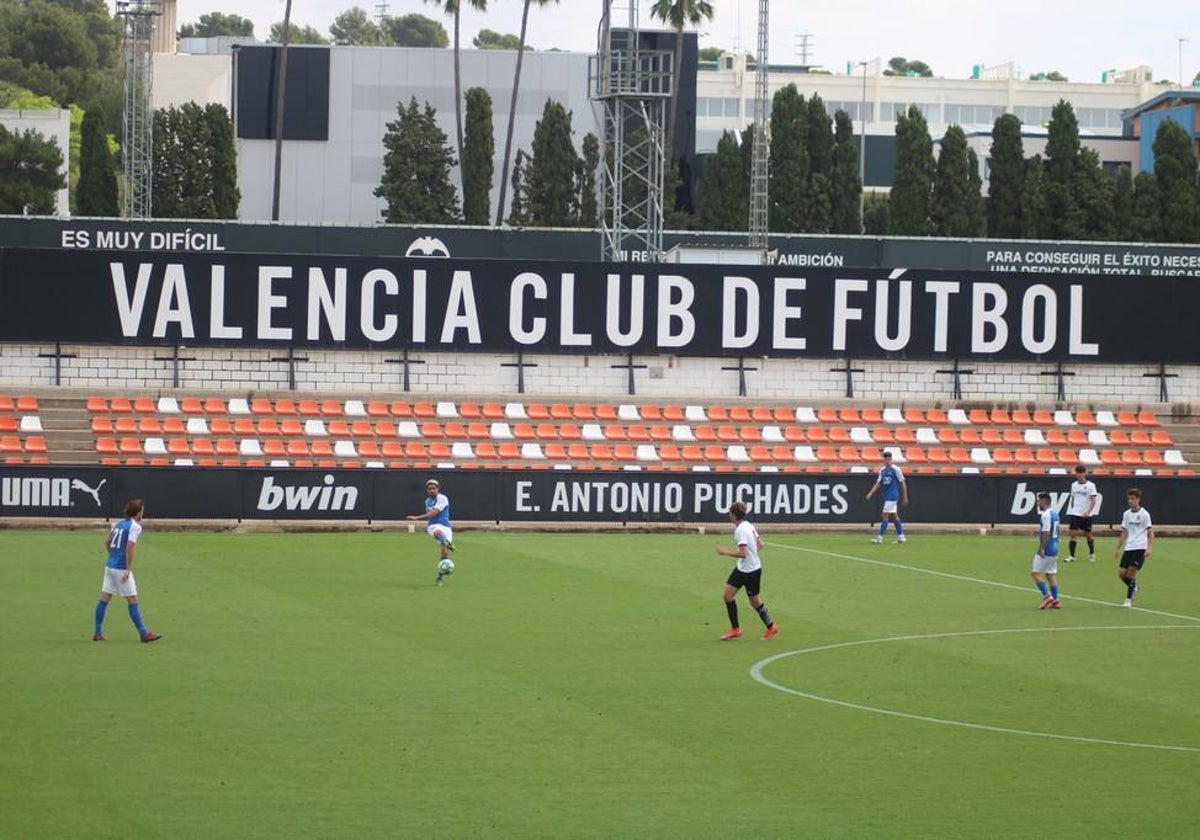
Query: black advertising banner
[[558, 496], [559, 307]]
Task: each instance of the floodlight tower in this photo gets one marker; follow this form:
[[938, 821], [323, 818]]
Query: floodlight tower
[[137, 134], [760, 153], [633, 86]]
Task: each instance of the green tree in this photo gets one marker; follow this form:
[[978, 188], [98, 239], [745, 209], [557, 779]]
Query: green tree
[[415, 31], [846, 190], [479, 150], [166, 192], [1008, 179], [900, 66], [416, 169], [876, 214], [183, 164], [296, 34], [678, 14], [950, 206], [726, 204], [589, 210], [454, 9], [550, 178], [1123, 205], [96, 194], [215, 24], [489, 40], [519, 216], [711, 53], [1062, 217], [1094, 194], [1146, 224], [1033, 209], [1175, 173], [222, 153], [512, 108], [819, 144], [788, 188], [354, 27], [1052, 76], [975, 191], [912, 187], [30, 173]]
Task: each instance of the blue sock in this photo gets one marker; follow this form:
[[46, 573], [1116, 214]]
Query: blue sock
[[883, 527], [1042, 588], [136, 615], [899, 528], [1054, 592], [101, 606]]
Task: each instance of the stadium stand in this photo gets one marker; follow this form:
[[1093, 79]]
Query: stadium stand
[[324, 432]]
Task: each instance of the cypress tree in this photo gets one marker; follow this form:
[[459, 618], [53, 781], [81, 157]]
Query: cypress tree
[[223, 160], [1062, 217], [1175, 172], [96, 193], [479, 151], [820, 168], [846, 189], [949, 210], [550, 178], [1145, 224], [1007, 181], [1032, 203], [1123, 205], [788, 188], [589, 210], [726, 189], [913, 185]]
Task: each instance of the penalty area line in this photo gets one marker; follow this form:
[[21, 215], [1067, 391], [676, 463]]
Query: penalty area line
[[968, 579]]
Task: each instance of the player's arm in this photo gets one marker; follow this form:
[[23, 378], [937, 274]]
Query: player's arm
[[740, 551], [1095, 497], [429, 514], [903, 491], [1043, 539], [871, 492], [130, 545], [1149, 539], [1121, 542]]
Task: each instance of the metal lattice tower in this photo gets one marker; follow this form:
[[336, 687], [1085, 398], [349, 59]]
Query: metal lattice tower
[[760, 164], [633, 85], [137, 134]]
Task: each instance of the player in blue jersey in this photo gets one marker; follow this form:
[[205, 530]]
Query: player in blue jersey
[[437, 515], [1045, 562], [895, 492], [118, 571]]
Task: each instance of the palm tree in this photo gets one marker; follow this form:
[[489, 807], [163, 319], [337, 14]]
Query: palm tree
[[512, 109], [677, 14], [454, 7]]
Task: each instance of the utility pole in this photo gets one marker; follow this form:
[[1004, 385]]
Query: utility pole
[[281, 81]]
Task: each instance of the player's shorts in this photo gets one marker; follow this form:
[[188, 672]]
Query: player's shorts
[[1080, 523], [440, 532], [112, 584], [751, 580], [1133, 559], [1047, 565], [891, 506]]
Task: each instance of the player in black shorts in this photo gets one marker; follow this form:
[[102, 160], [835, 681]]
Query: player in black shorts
[[1080, 507], [1135, 544]]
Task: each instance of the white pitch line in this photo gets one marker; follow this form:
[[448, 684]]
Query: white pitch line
[[756, 672], [969, 579]]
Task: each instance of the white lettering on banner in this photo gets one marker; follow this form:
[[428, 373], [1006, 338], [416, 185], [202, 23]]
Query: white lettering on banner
[[731, 337], [133, 240], [941, 291], [773, 499], [672, 310], [903, 318], [367, 323], [567, 336], [611, 497], [523, 502], [268, 301], [1029, 319], [985, 317], [46, 492], [129, 308], [216, 321], [637, 310], [783, 313], [328, 303], [843, 313], [324, 497], [461, 311], [420, 299], [1024, 500], [516, 308], [1077, 346], [173, 304]]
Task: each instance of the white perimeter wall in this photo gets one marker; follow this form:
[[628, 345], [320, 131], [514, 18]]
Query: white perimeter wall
[[666, 378]]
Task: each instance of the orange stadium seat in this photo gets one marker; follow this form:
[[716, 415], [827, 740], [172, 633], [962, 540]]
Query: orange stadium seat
[[606, 412], [1042, 417], [37, 443], [1021, 417], [215, 405], [999, 417], [784, 415], [95, 405], [673, 414], [1085, 418], [979, 416], [100, 425], [714, 454], [27, 404], [538, 411], [740, 414], [217, 426], [104, 445], [914, 415], [1147, 418], [261, 406], [936, 415]]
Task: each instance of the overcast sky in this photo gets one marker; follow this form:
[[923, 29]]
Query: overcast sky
[[1079, 39]]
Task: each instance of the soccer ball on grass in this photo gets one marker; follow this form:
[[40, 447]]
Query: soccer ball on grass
[[446, 566]]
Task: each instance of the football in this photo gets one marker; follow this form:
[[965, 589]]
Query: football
[[446, 566]]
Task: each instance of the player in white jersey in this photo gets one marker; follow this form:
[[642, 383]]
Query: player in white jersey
[[1135, 544], [1084, 498], [747, 573]]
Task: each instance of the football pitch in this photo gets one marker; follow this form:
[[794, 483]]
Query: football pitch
[[572, 685]]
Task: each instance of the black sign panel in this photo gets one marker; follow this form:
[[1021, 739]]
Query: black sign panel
[[558, 307], [561, 496]]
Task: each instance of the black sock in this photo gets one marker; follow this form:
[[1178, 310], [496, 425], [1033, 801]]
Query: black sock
[[1071, 548], [1091, 546], [731, 608], [764, 615], [1130, 586]]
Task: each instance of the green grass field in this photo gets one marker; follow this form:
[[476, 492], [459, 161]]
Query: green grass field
[[571, 685]]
